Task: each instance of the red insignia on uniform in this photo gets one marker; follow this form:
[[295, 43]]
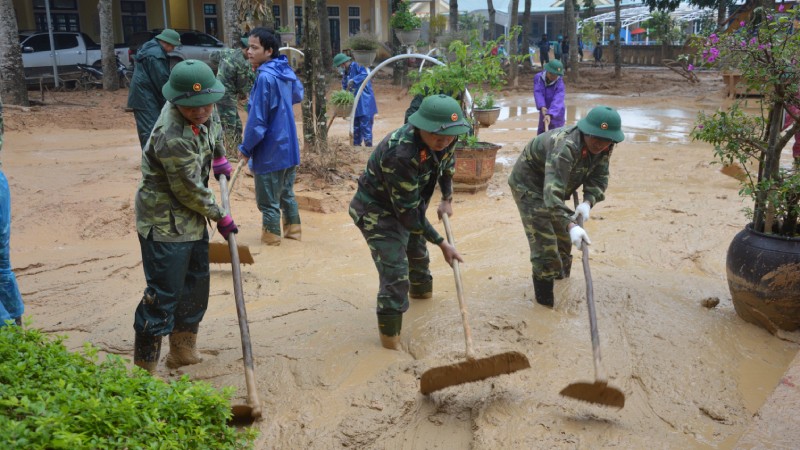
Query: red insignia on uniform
[[603, 126], [454, 117], [423, 156], [195, 130], [196, 87]]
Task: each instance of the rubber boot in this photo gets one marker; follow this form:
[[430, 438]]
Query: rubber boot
[[292, 231], [146, 351], [18, 321], [389, 327], [566, 267], [182, 349], [543, 289], [421, 290], [270, 238]]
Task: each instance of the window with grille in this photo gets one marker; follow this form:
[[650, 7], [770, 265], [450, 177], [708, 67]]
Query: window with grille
[[134, 17], [353, 20], [63, 14]]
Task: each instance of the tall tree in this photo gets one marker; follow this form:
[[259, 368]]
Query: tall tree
[[572, 35], [617, 40], [315, 132], [513, 50], [453, 21], [108, 57], [12, 74], [256, 13], [233, 22], [492, 31], [325, 31], [526, 29]]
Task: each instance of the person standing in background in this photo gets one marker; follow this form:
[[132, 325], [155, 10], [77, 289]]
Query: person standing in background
[[353, 75], [11, 306], [150, 74], [548, 93], [237, 75]]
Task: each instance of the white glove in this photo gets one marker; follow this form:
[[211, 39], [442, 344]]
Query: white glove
[[577, 235], [583, 211]]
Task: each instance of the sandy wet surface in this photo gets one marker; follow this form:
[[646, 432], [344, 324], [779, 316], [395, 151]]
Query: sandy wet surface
[[693, 376]]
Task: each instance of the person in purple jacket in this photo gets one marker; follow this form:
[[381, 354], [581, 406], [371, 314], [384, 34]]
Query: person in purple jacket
[[270, 137], [353, 74], [548, 92]]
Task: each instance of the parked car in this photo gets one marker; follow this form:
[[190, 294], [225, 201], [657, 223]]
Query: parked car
[[71, 48], [195, 45]]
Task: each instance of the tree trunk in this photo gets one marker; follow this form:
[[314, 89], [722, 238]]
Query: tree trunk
[[325, 32], [617, 40], [572, 35], [526, 31], [453, 19], [513, 50], [12, 75], [492, 31], [109, 58], [268, 20], [315, 132], [400, 69], [233, 25]]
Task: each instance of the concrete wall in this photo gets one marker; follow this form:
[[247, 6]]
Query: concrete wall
[[645, 55]]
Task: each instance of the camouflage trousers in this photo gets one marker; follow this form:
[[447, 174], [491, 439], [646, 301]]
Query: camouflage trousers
[[176, 297], [231, 130], [401, 258], [547, 234]]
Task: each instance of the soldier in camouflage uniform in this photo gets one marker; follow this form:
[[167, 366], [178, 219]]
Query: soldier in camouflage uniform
[[237, 75], [551, 167], [173, 202], [390, 204], [11, 306]]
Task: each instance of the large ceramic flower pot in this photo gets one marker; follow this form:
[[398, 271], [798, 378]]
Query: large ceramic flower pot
[[486, 117], [342, 110], [408, 37], [287, 37], [474, 167], [764, 279], [365, 57]]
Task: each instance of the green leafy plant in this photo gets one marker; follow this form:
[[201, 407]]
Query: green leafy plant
[[404, 19], [764, 50], [284, 29], [55, 399], [342, 98], [363, 41], [485, 101]]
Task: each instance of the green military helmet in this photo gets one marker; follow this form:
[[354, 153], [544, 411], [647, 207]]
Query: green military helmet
[[340, 59], [192, 83], [603, 122], [555, 67], [245, 41], [440, 114], [170, 37]]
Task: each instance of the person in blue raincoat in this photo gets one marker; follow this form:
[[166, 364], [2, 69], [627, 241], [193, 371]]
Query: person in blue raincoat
[[353, 75], [270, 137], [11, 306]]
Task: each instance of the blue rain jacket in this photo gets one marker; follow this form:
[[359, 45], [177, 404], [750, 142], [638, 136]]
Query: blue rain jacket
[[366, 103], [270, 135]]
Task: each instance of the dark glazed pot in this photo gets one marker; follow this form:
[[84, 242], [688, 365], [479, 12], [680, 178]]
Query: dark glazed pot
[[764, 279]]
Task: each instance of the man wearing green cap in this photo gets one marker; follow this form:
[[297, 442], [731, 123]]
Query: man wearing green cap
[[237, 75], [150, 74], [551, 167], [548, 92], [390, 204], [172, 204]]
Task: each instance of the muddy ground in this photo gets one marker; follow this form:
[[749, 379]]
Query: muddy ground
[[693, 376]]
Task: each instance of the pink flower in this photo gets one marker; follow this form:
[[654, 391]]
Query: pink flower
[[780, 8], [690, 67], [713, 38], [700, 127], [741, 24]]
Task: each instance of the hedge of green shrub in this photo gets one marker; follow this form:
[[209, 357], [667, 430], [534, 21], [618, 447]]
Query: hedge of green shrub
[[51, 398]]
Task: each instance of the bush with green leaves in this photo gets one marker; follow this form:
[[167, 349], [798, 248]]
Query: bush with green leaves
[[51, 398], [403, 19], [485, 101], [342, 98], [363, 41], [765, 50]]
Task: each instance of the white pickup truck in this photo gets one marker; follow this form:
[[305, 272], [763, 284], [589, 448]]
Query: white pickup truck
[[71, 49]]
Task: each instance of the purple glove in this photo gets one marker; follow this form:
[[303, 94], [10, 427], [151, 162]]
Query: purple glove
[[226, 226], [221, 166]]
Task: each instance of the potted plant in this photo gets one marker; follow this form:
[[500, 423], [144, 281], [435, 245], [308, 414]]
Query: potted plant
[[763, 259], [364, 47], [475, 162], [342, 103], [484, 110], [287, 35], [406, 24]]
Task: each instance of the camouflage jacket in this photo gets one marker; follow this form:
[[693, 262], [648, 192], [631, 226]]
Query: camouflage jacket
[[554, 164], [236, 73], [173, 198], [400, 178]]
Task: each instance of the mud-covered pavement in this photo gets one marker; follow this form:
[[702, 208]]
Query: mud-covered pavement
[[693, 376]]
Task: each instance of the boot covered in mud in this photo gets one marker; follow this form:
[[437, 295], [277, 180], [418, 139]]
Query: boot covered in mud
[[543, 290], [146, 351], [182, 349], [292, 231], [389, 327], [270, 238], [566, 267], [421, 290]]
